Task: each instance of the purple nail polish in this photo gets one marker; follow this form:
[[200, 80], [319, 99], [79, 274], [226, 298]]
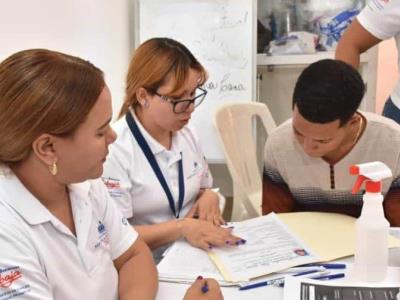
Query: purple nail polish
[[243, 241], [210, 247], [228, 242], [238, 243]]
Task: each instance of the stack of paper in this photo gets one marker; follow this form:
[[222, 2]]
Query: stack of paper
[[274, 243], [184, 263]]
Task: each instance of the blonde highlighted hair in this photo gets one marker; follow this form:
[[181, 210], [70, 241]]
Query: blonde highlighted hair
[[155, 61], [43, 91]]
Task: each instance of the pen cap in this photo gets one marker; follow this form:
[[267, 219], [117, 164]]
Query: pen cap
[[372, 173]]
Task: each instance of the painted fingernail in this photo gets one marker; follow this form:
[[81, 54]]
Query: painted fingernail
[[228, 242], [238, 242], [243, 241], [210, 247], [199, 277]]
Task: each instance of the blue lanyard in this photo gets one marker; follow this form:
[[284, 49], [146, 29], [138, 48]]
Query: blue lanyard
[[154, 165]]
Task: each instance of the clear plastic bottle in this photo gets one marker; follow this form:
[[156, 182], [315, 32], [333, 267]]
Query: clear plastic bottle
[[372, 228], [282, 17]]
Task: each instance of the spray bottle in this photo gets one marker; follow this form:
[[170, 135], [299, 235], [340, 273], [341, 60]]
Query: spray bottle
[[372, 228]]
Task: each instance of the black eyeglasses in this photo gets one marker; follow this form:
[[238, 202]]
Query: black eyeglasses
[[180, 106]]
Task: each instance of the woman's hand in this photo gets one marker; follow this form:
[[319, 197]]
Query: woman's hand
[[207, 289], [207, 208], [205, 235]]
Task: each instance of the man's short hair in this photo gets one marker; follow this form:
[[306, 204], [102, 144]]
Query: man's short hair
[[328, 90]]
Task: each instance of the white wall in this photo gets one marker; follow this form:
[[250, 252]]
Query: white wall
[[96, 30]]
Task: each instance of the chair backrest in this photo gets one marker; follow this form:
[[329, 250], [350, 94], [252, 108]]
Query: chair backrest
[[235, 127]]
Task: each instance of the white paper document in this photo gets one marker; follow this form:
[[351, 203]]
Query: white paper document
[[184, 263], [269, 247]]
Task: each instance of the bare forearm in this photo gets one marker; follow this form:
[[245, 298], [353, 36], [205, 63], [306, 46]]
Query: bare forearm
[[138, 277], [157, 235], [354, 41], [348, 53], [276, 198]]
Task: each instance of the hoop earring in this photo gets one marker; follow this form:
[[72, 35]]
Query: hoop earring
[[53, 169]]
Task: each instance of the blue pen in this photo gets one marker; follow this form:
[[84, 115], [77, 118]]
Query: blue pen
[[328, 277], [275, 281], [327, 265], [302, 269], [262, 283], [324, 277], [307, 272]]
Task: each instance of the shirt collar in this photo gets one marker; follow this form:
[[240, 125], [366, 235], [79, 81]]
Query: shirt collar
[[15, 194], [154, 145]]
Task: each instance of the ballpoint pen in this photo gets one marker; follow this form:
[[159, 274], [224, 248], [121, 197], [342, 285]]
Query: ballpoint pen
[[328, 277], [278, 280], [323, 277], [302, 269], [261, 283], [322, 272], [326, 265]]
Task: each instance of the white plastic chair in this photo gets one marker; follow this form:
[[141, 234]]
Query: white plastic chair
[[234, 123]]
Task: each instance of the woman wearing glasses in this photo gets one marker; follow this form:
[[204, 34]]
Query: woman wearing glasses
[[156, 169]]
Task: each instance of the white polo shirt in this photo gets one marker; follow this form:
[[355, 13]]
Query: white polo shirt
[[39, 256], [131, 180], [382, 19]]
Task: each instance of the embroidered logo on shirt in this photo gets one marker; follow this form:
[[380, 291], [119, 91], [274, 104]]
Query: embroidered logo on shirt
[[113, 185], [9, 276], [196, 170], [103, 236], [101, 228], [10, 283]]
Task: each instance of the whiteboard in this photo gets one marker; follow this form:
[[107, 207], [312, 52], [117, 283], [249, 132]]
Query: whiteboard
[[222, 36]]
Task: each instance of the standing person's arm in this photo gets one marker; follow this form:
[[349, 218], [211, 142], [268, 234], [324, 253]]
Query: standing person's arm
[[355, 40]]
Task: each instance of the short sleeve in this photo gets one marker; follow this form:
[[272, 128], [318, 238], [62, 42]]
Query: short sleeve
[[206, 181], [381, 18], [122, 234], [21, 275], [117, 180]]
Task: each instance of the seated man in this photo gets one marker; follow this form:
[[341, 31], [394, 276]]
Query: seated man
[[307, 158]]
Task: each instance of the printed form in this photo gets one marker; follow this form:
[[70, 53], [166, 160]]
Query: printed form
[[270, 247]]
